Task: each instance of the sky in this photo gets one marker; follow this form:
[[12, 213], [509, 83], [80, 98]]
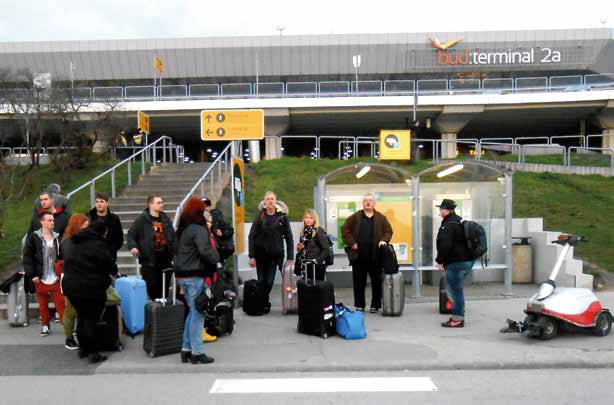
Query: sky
[[43, 20]]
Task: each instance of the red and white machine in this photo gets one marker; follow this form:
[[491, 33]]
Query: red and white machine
[[552, 309]]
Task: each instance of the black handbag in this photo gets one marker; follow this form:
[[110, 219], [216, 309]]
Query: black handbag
[[202, 303]]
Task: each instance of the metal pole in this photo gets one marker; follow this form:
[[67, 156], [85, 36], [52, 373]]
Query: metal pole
[[113, 183], [130, 172], [143, 163], [93, 193], [416, 245], [509, 189], [164, 142]]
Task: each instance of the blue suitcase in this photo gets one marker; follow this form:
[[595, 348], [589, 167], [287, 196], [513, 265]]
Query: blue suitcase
[[133, 293]]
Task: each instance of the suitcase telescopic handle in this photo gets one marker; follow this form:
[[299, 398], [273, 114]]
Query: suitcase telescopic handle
[[169, 270], [306, 265]]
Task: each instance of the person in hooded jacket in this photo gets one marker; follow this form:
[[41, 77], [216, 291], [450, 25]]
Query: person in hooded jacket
[[266, 242], [88, 267], [312, 246], [152, 239]]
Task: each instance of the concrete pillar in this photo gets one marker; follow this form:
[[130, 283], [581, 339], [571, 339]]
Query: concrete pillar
[[271, 148], [448, 149], [608, 139], [254, 151]]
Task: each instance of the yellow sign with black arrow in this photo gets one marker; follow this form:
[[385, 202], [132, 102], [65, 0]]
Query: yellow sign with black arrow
[[231, 125]]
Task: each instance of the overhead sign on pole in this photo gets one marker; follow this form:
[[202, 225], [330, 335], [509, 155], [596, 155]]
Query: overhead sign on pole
[[394, 145], [158, 65], [231, 125], [143, 121]]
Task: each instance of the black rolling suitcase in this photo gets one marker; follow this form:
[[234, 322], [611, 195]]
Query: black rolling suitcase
[[255, 299], [107, 330], [316, 304], [163, 333], [445, 304]]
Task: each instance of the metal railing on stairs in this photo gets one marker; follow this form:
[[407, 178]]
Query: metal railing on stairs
[[163, 144], [221, 163]]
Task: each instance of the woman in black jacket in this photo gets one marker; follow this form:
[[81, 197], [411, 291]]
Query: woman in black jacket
[[195, 259], [88, 267], [313, 245]]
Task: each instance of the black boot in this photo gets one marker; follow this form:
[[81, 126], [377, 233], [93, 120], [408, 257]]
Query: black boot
[[202, 359], [185, 356]]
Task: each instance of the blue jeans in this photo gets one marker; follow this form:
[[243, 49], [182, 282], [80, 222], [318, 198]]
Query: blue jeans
[[455, 274], [193, 328]]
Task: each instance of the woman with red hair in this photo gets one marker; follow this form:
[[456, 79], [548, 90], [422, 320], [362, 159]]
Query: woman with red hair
[[76, 224], [195, 259]]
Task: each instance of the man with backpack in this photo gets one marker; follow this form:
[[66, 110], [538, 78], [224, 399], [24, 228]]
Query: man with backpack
[[455, 259]]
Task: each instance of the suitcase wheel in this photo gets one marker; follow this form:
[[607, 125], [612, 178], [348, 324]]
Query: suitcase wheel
[[325, 336]]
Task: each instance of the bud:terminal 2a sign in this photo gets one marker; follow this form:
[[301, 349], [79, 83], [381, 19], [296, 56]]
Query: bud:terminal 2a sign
[[475, 57]]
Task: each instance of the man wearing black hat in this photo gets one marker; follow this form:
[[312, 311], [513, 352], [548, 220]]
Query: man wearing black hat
[[454, 258]]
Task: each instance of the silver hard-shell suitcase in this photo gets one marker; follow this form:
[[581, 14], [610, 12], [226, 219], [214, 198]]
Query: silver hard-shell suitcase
[[393, 287], [18, 304]]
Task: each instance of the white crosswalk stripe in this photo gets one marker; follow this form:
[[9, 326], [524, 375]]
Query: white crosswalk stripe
[[298, 385]]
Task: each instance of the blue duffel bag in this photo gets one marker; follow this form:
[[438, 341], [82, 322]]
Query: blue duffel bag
[[350, 324]]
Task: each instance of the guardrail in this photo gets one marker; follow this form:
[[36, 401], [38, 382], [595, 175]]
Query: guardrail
[[224, 159], [375, 88]]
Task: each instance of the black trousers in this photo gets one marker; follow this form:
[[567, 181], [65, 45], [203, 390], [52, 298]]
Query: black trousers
[[89, 312], [153, 280], [266, 269], [359, 277], [153, 274]]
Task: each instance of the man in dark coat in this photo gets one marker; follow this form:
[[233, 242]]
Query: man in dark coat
[[363, 232], [114, 235], [454, 258], [152, 239]]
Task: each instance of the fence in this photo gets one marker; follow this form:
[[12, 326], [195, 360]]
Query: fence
[[374, 88]]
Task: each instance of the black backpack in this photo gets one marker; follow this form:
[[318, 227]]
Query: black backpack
[[388, 259], [330, 258], [477, 242]]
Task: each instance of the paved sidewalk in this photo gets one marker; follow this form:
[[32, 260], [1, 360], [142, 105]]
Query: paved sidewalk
[[414, 341]]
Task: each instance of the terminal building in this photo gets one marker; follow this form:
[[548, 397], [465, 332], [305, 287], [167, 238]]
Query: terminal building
[[450, 85]]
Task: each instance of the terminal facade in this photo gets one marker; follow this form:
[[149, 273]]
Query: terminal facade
[[468, 84]]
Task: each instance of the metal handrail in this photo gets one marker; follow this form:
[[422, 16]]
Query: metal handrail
[[224, 156], [522, 158], [610, 150], [128, 160]]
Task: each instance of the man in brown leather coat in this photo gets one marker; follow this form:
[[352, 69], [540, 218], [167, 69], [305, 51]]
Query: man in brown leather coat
[[363, 232]]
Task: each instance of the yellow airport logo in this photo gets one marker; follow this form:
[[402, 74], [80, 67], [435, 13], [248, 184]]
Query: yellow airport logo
[[445, 45]]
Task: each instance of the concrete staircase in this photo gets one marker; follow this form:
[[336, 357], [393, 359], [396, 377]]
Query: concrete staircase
[[172, 182]]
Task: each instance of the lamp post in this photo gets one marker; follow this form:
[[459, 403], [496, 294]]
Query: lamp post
[[356, 61]]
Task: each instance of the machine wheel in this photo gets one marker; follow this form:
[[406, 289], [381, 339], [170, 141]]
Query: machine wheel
[[603, 324], [550, 328]]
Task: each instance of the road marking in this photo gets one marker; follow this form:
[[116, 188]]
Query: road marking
[[288, 385]]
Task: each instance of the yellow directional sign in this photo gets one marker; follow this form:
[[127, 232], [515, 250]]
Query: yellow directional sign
[[143, 121], [231, 125], [158, 65], [394, 145]]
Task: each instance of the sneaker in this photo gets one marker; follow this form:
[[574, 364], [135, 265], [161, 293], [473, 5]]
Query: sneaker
[[202, 359], [45, 330], [451, 323], [71, 343], [361, 309], [207, 338], [374, 310], [56, 319]]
